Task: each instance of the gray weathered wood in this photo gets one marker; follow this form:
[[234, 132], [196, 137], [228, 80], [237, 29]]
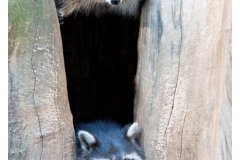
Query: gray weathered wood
[[182, 90], [225, 142], [40, 122]]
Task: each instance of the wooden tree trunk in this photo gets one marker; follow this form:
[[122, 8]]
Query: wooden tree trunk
[[183, 84], [40, 122]]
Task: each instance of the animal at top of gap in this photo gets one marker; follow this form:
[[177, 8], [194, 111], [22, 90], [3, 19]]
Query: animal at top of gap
[[98, 7], [103, 140]]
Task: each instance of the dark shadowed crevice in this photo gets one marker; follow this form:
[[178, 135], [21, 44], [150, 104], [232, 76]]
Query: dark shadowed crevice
[[100, 56]]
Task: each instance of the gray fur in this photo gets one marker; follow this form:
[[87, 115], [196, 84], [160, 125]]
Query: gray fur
[[104, 140], [98, 7]]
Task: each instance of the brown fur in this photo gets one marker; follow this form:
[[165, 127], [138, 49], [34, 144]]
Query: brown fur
[[99, 7]]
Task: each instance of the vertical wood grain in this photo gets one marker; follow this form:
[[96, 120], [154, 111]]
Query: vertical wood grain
[[184, 50], [40, 122]]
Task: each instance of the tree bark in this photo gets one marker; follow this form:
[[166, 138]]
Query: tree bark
[[40, 122], [183, 90]]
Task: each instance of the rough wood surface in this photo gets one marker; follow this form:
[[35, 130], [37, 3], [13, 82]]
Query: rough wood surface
[[40, 122], [225, 141], [183, 95]]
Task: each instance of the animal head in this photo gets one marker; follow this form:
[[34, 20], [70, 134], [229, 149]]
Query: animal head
[[110, 142]]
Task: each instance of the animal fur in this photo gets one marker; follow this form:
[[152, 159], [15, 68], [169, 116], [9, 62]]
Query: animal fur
[[108, 141], [98, 7]]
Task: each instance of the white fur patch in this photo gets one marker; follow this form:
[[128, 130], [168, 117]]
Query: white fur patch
[[100, 159], [133, 131], [108, 1], [133, 156], [86, 137]]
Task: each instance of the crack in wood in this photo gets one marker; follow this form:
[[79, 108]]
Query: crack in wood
[[177, 19], [184, 120], [174, 94], [34, 91]]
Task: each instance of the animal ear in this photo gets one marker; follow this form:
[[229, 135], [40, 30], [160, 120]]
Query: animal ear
[[87, 140], [133, 131]]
